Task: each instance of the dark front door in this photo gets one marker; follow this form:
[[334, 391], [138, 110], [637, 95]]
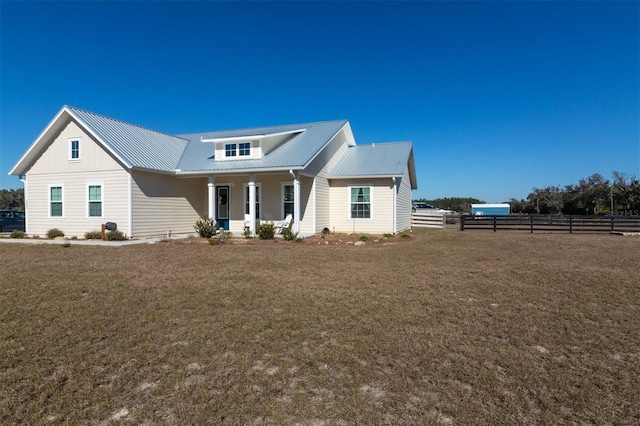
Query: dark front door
[[222, 210]]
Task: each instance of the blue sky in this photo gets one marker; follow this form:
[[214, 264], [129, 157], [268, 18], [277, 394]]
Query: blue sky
[[497, 97]]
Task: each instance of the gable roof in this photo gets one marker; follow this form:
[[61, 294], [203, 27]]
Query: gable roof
[[141, 148], [137, 147], [375, 161]]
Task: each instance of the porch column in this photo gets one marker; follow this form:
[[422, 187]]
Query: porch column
[[211, 191], [296, 202], [252, 204]]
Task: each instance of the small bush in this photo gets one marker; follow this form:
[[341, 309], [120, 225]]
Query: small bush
[[246, 233], [54, 232], [205, 227], [93, 235], [115, 236], [364, 238], [289, 235], [214, 241], [17, 234], [388, 235], [266, 231]]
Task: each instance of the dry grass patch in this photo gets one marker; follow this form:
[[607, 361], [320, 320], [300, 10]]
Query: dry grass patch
[[441, 328]]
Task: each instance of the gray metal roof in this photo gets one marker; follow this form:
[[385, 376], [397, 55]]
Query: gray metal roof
[[380, 159], [137, 146], [296, 152]]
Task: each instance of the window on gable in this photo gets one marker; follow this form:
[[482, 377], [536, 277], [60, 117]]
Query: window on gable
[[360, 207], [230, 150], [74, 149], [95, 200], [244, 149], [55, 201]]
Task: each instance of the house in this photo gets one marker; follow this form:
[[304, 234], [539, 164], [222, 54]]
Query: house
[[85, 169]]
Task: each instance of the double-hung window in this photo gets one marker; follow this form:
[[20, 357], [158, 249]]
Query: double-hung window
[[360, 204], [74, 149], [55, 201], [94, 200], [246, 201], [287, 200]]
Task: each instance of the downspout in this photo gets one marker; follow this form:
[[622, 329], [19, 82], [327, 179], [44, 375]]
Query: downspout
[[296, 201], [23, 179], [395, 207], [130, 200]]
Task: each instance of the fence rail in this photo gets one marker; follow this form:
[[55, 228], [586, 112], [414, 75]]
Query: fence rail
[[424, 220], [551, 223]]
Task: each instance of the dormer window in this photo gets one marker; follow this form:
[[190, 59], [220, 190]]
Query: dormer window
[[242, 149], [230, 150]]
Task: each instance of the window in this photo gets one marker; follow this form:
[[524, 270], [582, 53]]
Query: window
[[287, 200], [74, 149], [244, 149], [55, 201], [95, 200], [230, 150], [246, 201], [360, 202]]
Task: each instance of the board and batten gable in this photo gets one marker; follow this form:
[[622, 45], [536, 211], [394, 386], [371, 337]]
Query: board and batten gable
[[94, 166]]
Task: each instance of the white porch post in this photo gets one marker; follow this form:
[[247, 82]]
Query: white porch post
[[252, 204], [296, 202], [212, 197]]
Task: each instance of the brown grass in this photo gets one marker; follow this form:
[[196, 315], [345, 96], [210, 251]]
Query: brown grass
[[441, 328]]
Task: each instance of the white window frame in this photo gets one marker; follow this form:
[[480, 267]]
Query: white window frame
[[88, 201], [283, 185], [70, 142], [233, 148], [245, 200], [370, 186], [241, 150], [55, 185]]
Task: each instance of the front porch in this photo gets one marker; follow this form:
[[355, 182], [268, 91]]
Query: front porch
[[236, 201]]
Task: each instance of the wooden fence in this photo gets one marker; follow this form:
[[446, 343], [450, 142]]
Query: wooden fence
[[435, 221], [552, 223]]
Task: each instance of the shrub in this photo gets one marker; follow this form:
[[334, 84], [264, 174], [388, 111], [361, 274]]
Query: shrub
[[17, 234], [246, 233], [115, 236], [205, 227], [364, 238], [93, 235], [54, 232], [266, 231], [289, 235]]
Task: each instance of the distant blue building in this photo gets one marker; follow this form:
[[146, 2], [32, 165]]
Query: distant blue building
[[490, 209]]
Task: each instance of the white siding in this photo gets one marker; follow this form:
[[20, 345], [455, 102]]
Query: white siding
[[95, 165], [381, 207], [320, 166], [403, 202], [163, 203]]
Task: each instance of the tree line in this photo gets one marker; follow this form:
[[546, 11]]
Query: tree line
[[593, 195], [12, 199]]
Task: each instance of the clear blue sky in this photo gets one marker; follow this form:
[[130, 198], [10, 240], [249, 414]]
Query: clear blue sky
[[497, 97]]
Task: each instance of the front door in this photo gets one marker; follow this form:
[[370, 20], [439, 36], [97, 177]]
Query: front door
[[222, 212]]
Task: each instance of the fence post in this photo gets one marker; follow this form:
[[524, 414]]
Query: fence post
[[570, 225], [531, 219], [461, 222], [495, 227], [611, 223]]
